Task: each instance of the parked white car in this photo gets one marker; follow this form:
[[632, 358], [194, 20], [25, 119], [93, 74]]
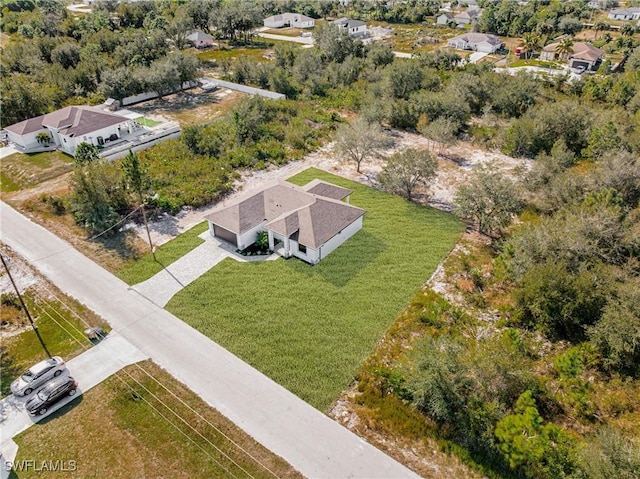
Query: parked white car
[[36, 375]]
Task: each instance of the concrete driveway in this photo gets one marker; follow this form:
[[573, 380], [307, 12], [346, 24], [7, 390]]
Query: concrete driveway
[[310, 441], [89, 369]]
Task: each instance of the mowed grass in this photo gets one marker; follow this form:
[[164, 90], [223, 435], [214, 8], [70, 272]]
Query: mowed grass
[[310, 327], [136, 424], [147, 122], [145, 267], [20, 171]]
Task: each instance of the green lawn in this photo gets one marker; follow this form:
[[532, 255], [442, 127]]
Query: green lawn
[[20, 171], [145, 267], [310, 327], [147, 122]]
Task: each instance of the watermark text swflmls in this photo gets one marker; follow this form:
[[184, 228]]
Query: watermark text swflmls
[[57, 465]]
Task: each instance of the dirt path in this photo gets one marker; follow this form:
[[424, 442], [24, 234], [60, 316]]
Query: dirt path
[[453, 169]]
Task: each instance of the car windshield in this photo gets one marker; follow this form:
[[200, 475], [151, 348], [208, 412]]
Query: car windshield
[[43, 395], [27, 377]]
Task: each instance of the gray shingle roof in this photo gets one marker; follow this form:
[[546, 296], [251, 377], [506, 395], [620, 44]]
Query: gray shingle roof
[[80, 120], [288, 208]]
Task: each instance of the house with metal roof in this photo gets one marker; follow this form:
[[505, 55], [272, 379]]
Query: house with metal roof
[[307, 222], [65, 129], [200, 39]]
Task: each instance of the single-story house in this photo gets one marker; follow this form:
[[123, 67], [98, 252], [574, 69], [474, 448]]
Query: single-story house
[[468, 17], [69, 127], [444, 19], [625, 14], [289, 20], [481, 42], [307, 222], [354, 27], [200, 39], [583, 55]]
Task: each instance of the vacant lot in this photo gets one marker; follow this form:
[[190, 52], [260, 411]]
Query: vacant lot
[[21, 171], [143, 423], [310, 327]]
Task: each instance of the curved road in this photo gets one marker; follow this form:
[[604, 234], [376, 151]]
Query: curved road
[[311, 442]]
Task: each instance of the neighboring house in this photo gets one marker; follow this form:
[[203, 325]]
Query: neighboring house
[[468, 17], [307, 222], [199, 39], [583, 55], [445, 19], [625, 14], [354, 27], [469, 3], [481, 42], [289, 20], [69, 127]]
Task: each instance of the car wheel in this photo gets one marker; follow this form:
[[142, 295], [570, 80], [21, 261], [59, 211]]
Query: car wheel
[[73, 392], [42, 411], [28, 391], [58, 373]]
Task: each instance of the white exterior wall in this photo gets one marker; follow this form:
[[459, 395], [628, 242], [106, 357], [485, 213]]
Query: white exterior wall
[[340, 238], [485, 47], [69, 143], [273, 23], [311, 256], [302, 24], [26, 141], [361, 30], [249, 237]]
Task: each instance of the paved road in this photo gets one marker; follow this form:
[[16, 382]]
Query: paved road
[[310, 441]]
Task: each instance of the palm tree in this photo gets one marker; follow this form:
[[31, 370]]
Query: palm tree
[[43, 138], [530, 43], [627, 30], [565, 47], [599, 27]]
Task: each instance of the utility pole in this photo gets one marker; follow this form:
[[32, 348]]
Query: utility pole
[[24, 306], [146, 225]]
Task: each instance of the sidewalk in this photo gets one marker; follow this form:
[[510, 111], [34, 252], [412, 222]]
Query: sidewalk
[[160, 288]]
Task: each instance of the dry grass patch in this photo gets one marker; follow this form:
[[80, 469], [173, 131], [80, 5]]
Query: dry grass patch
[[131, 426]]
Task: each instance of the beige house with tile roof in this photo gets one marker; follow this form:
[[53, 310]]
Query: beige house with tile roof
[[583, 55], [307, 222]]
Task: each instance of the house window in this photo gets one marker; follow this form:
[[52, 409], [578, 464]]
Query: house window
[[302, 248]]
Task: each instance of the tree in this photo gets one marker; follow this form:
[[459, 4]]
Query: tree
[[406, 170], [489, 199], [91, 202], [403, 78], [119, 83], [600, 26], [565, 47], [360, 140], [335, 43], [86, 153], [627, 30], [617, 334], [137, 180], [530, 43], [530, 446], [443, 131]]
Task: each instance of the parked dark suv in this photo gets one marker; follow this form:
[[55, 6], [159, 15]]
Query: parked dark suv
[[51, 393]]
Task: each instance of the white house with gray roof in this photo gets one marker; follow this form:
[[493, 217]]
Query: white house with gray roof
[[625, 14], [307, 222], [480, 42], [354, 27], [296, 20], [69, 127]]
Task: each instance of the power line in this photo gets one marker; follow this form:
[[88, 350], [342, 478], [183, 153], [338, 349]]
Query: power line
[[157, 381]]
